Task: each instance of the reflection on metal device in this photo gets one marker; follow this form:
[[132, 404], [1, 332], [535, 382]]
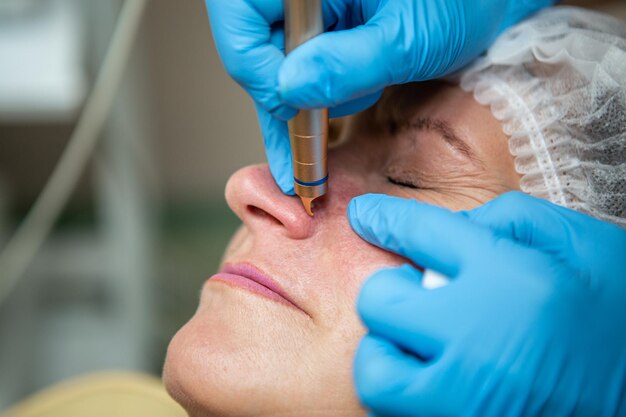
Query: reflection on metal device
[[308, 130]]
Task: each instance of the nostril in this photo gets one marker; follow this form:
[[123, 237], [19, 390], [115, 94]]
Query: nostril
[[256, 199], [258, 212]]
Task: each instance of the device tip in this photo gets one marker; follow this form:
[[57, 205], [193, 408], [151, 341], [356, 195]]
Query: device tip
[[307, 203]]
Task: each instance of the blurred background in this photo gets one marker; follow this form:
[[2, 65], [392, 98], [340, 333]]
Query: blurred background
[[147, 224]]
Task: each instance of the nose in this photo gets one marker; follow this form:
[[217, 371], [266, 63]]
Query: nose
[[256, 199]]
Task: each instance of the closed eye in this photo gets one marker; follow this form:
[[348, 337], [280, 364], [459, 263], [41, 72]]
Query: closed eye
[[402, 183]]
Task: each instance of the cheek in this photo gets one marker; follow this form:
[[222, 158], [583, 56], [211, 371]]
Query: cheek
[[347, 259], [361, 260], [352, 175], [346, 264]]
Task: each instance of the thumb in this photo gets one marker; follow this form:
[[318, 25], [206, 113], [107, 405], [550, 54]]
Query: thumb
[[431, 237], [336, 67]]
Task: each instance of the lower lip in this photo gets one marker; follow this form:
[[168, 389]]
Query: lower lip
[[252, 286]]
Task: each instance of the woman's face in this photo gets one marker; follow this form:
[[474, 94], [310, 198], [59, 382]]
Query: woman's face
[[251, 351]]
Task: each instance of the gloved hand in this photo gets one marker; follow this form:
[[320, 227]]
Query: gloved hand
[[532, 323], [370, 44]]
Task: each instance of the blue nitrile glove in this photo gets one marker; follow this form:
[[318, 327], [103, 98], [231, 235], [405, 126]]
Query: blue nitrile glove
[[370, 44], [532, 323]]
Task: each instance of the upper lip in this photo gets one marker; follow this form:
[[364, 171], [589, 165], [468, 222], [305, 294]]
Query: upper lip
[[253, 273]]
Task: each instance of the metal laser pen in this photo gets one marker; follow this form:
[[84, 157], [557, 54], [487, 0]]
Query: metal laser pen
[[308, 130]]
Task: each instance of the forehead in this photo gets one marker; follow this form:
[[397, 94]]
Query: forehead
[[441, 101]]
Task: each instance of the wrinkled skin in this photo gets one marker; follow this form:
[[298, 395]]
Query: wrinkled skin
[[242, 354]]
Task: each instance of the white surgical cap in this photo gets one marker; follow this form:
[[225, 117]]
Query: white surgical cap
[[557, 82]]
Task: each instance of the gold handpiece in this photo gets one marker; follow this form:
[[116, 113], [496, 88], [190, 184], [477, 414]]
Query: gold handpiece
[[308, 130]]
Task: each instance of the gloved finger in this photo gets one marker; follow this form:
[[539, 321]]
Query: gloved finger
[[392, 304], [242, 31], [354, 106], [278, 149], [277, 37], [338, 14], [385, 376], [543, 225], [526, 219], [336, 67], [430, 236]]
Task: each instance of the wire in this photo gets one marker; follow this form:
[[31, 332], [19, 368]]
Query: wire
[[24, 244]]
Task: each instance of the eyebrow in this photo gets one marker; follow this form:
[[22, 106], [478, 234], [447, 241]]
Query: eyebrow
[[447, 133]]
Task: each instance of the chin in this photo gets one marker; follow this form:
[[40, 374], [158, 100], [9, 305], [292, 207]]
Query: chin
[[241, 355], [211, 377], [188, 378]]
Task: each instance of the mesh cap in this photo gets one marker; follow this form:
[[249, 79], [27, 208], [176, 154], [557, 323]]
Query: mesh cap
[[557, 82]]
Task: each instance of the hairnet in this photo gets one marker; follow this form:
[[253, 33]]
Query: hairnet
[[557, 82]]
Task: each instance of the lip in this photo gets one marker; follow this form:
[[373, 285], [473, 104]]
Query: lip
[[250, 278]]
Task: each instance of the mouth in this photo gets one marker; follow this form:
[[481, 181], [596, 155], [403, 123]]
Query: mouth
[[250, 278]]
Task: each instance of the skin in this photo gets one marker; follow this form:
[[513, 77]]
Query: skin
[[242, 354]]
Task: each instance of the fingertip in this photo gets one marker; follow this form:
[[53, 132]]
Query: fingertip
[[365, 202], [277, 149], [356, 206], [353, 216], [361, 210], [281, 171], [286, 187], [376, 217]]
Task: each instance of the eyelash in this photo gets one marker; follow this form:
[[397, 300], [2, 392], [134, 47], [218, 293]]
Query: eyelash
[[402, 183]]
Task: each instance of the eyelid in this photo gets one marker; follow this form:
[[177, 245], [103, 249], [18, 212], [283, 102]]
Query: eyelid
[[402, 183], [403, 177]]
